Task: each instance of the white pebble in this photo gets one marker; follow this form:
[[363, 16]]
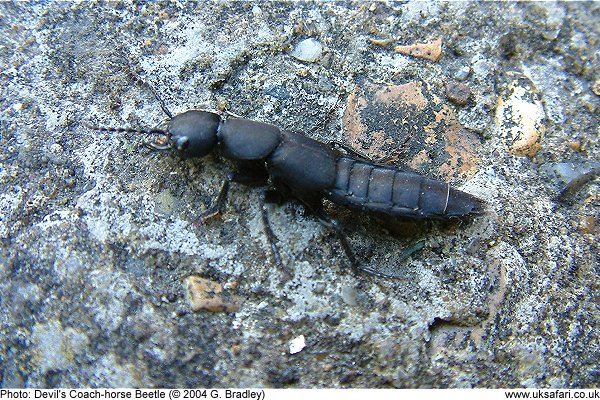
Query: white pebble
[[309, 50], [297, 344], [56, 148]]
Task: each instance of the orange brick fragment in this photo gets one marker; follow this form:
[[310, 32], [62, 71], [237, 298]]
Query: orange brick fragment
[[431, 50]]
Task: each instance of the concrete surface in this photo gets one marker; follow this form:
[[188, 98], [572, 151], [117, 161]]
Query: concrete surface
[[98, 235]]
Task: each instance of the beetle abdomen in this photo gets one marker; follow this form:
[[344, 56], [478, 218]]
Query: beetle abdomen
[[384, 189]]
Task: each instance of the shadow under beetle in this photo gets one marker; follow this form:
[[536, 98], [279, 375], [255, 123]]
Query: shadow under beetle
[[308, 170]]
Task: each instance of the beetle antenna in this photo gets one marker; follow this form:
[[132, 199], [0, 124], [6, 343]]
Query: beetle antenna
[[136, 77], [153, 131]]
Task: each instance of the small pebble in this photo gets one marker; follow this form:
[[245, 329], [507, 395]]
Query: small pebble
[[297, 344], [520, 116], [462, 73], [309, 50], [349, 377], [568, 171], [206, 295], [587, 224], [56, 148], [458, 93], [381, 42], [256, 11], [349, 295], [319, 288], [165, 203], [596, 88], [481, 68], [573, 174], [576, 146]]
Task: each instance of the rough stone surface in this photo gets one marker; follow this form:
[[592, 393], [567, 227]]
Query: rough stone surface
[[97, 234], [410, 125]]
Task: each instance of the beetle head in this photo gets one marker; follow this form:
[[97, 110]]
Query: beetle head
[[192, 133]]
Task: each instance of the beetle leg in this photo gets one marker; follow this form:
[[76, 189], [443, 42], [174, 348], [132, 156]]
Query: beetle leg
[[248, 177], [332, 224], [219, 203], [314, 205], [270, 235], [350, 150], [326, 220], [250, 174]]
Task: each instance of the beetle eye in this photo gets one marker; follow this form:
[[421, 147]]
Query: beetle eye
[[182, 143]]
